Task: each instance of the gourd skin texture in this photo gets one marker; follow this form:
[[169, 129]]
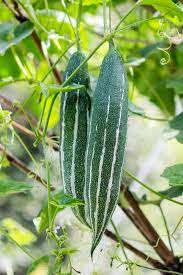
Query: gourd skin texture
[[106, 143], [74, 119]]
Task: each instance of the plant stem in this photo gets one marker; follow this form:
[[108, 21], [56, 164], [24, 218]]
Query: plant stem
[[104, 17], [163, 271], [126, 15], [105, 39], [156, 118], [25, 147], [84, 61], [142, 223], [70, 21], [42, 115], [140, 254], [166, 227], [19, 62], [57, 61], [150, 189], [21, 166], [122, 246], [47, 166], [78, 24], [46, 4], [49, 114], [110, 17], [181, 219], [137, 23]]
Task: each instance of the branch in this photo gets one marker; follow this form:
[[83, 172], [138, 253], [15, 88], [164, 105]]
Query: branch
[[22, 167], [140, 254], [7, 104], [138, 218], [32, 135], [22, 18]]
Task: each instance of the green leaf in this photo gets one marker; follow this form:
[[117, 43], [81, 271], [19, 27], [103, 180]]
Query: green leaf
[[177, 85], [17, 232], [177, 122], [164, 6], [56, 24], [179, 137], [39, 266], [173, 192], [66, 200], [51, 89], [150, 49], [8, 187], [59, 202], [134, 62], [174, 174], [11, 35]]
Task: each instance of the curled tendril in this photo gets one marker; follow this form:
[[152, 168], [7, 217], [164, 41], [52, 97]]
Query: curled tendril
[[164, 60], [163, 34]]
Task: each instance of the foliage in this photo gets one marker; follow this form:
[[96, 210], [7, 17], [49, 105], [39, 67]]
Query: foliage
[[174, 174], [12, 187]]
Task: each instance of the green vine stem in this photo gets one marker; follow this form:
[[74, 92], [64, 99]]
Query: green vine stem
[[105, 39], [150, 189], [166, 227], [122, 247], [104, 17], [49, 114], [25, 147], [58, 60], [19, 63], [47, 166], [70, 21], [78, 24], [108, 37], [110, 16], [163, 271], [42, 115]]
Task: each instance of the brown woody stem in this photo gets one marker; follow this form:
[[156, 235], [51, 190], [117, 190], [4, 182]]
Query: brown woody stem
[[21, 166], [139, 219]]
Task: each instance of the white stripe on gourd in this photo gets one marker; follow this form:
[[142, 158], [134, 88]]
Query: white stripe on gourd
[[74, 147], [106, 143], [74, 116]]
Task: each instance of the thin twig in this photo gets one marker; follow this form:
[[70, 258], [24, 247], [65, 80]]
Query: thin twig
[[166, 227], [21, 166], [137, 252], [150, 189], [138, 218], [122, 246]]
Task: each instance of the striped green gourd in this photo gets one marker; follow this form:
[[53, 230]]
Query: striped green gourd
[[106, 143], [74, 119]]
